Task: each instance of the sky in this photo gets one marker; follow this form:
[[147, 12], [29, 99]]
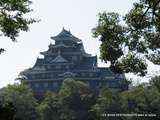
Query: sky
[[78, 16]]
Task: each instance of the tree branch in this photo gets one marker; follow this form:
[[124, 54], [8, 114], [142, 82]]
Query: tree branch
[[154, 9]]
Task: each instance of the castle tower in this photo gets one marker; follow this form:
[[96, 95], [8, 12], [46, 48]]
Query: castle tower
[[68, 59]]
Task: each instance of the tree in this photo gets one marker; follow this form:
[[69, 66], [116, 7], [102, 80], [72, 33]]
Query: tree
[[143, 99], [72, 102], [7, 111], [22, 99], [128, 43], [12, 18], [77, 99], [107, 103], [155, 81], [51, 107]]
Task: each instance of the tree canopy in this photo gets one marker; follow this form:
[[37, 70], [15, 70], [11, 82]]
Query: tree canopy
[[7, 111], [75, 101], [22, 99], [13, 18], [72, 102], [128, 42]]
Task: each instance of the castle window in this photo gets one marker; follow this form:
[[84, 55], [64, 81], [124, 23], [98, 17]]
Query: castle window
[[52, 75], [36, 85], [74, 58], [91, 74], [112, 84], [55, 84], [81, 58], [83, 74], [32, 77], [58, 67], [45, 85], [48, 67], [67, 66], [43, 75]]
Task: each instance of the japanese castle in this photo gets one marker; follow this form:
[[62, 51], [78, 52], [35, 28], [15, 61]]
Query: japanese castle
[[68, 59]]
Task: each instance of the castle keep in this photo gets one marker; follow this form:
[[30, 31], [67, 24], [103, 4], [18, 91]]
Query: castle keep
[[68, 59]]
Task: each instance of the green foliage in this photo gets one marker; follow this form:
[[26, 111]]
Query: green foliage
[[126, 43], [74, 91], [72, 102], [107, 103], [112, 36], [51, 107], [130, 63], [22, 99], [144, 99], [155, 81], [7, 111], [75, 101], [143, 22], [77, 98], [13, 18], [155, 57]]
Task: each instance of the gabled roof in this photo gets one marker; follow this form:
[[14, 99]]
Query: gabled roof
[[59, 59], [39, 61], [61, 44], [67, 74], [65, 35]]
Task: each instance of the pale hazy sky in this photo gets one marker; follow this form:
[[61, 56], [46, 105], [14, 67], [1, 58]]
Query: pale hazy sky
[[80, 16]]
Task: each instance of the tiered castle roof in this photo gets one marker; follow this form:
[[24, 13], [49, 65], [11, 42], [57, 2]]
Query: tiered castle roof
[[68, 59]]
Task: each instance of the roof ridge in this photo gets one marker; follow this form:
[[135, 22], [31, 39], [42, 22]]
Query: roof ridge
[[59, 58]]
